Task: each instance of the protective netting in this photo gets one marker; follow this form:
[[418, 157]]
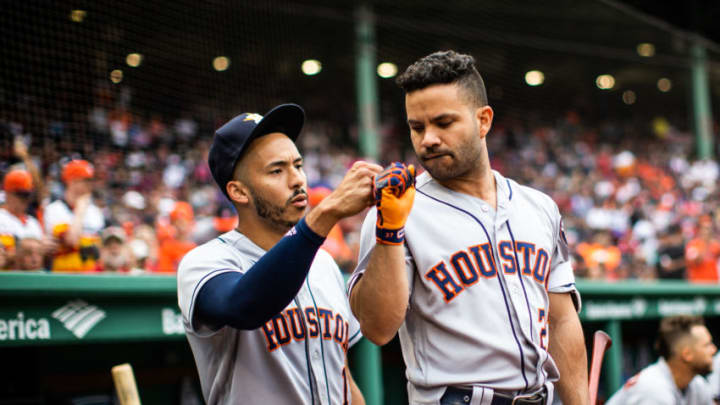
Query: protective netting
[[138, 88]]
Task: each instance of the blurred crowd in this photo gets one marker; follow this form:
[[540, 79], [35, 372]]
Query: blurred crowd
[[120, 192]]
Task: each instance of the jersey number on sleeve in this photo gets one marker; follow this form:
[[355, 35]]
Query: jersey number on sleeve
[[542, 321]]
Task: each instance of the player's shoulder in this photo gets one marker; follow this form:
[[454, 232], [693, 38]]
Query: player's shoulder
[[423, 179], [650, 383], [700, 385], [517, 190], [212, 255], [520, 193], [647, 378]]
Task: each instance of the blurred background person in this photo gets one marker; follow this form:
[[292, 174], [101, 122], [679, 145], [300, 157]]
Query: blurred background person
[[686, 353], [20, 149], [145, 247], [702, 253], [15, 222], [214, 224], [30, 255], [4, 263], [75, 221], [115, 255], [671, 254], [601, 256], [173, 248]]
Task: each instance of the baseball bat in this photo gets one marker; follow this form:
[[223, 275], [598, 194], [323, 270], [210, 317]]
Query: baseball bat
[[125, 385], [601, 342]]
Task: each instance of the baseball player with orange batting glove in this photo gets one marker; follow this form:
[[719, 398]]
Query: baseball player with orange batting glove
[[467, 266]]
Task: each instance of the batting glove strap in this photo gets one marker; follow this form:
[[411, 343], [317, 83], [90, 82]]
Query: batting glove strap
[[390, 236]]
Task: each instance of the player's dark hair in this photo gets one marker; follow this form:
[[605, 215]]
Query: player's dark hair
[[445, 67], [672, 330]]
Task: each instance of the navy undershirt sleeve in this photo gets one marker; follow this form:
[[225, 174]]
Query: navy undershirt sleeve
[[247, 301]]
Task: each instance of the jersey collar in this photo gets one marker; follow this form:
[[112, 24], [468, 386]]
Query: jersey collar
[[504, 190]]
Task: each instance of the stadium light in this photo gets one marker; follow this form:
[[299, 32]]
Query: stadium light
[[387, 70], [646, 50], [311, 67], [221, 63], [629, 97], [664, 84], [116, 76], [77, 15], [534, 78], [134, 59], [605, 82]]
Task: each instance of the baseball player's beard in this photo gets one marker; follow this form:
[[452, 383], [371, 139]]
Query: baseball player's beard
[[455, 164], [275, 214], [703, 369]]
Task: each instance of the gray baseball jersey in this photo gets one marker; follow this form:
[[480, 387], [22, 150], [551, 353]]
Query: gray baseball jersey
[[654, 385], [276, 363], [714, 377], [479, 281]]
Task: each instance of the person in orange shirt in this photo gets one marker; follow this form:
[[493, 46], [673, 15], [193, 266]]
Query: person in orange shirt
[[601, 257], [172, 249], [702, 254]]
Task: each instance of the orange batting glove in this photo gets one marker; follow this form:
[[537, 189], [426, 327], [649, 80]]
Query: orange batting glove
[[394, 190]]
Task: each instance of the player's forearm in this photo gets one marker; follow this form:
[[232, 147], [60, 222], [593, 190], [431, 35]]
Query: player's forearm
[[379, 299], [355, 394], [567, 348], [322, 218]]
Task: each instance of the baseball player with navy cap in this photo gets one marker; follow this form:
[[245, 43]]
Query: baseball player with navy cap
[[264, 309], [471, 268]]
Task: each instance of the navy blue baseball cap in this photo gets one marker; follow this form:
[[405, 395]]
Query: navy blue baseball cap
[[232, 138]]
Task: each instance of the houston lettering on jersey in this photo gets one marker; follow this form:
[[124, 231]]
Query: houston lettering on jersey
[[288, 325], [466, 267]]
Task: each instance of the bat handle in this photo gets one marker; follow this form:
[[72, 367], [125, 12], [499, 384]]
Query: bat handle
[[125, 385]]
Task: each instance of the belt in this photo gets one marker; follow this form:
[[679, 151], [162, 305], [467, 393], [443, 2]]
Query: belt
[[462, 395]]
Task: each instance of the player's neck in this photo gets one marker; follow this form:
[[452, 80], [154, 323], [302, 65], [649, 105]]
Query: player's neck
[[259, 232], [477, 183], [681, 374]]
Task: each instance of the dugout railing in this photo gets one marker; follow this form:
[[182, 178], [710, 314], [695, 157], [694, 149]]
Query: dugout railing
[[61, 333]]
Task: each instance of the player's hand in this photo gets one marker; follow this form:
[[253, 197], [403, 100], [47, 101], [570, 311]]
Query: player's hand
[[354, 194], [394, 191], [355, 191]]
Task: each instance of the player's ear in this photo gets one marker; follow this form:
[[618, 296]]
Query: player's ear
[[685, 353], [484, 116], [238, 192]]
